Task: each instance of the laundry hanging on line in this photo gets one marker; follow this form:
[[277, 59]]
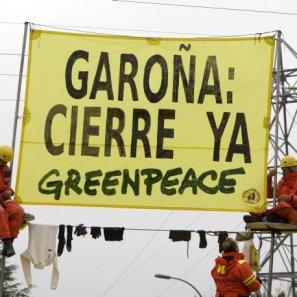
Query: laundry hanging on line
[[41, 249], [117, 234], [41, 252]]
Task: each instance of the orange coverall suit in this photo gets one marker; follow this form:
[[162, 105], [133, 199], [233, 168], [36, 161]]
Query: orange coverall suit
[[286, 186], [233, 276], [11, 214]]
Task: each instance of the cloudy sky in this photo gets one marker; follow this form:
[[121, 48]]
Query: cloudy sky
[[99, 268]]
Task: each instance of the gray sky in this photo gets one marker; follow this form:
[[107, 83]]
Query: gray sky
[[95, 265]]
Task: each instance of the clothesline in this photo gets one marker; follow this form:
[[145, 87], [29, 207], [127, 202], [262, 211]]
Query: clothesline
[[209, 232], [43, 244]]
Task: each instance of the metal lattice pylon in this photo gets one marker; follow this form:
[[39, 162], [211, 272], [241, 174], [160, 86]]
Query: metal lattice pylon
[[277, 250]]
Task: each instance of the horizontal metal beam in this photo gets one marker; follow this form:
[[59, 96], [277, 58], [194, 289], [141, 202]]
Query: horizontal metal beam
[[287, 95], [290, 70]]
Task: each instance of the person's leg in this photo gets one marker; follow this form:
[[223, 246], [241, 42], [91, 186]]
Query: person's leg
[[274, 218], [16, 216], [4, 224], [5, 235], [254, 217], [284, 210]]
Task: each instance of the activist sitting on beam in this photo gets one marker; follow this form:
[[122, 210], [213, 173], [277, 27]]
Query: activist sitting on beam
[[286, 193]]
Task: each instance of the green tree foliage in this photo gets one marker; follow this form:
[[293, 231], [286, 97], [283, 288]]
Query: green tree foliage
[[12, 288]]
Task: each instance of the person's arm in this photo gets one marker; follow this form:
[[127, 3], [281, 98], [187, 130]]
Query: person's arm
[[247, 277], [8, 191], [293, 197], [289, 198], [294, 201], [270, 175]]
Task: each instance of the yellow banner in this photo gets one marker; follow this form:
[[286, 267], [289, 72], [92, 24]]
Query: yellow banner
[[140, 122]]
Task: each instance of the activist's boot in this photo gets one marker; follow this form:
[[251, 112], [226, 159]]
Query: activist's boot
[[8, 250], [273, 218], [252, 219]]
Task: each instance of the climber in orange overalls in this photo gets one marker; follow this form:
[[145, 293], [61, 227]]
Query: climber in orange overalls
[[232, 275], [286, 209], [11, 214]]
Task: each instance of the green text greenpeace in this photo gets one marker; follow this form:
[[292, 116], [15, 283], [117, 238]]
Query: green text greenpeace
[[171, 182]]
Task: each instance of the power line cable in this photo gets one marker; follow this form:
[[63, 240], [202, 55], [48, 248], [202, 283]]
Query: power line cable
[[196, 264], [287, 13], [9, 99], [10, 74], [102, 263], [10, 54], [163, 247], [192, 268], [76, 28], [11, 23], [135, 258], [190, 294], [79, 29]]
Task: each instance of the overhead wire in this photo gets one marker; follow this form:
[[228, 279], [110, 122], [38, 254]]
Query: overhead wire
[[185, 293], [80, 29], [190, 294], [135, 258], [75, 28], [106, 259], [11, 23], [9, 99], [196, 264], [192, 268], [163, 247], [287, 13], [11, 74], [10, 54]]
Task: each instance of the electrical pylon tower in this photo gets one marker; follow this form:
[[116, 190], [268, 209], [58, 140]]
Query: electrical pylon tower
[[277, 251]]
